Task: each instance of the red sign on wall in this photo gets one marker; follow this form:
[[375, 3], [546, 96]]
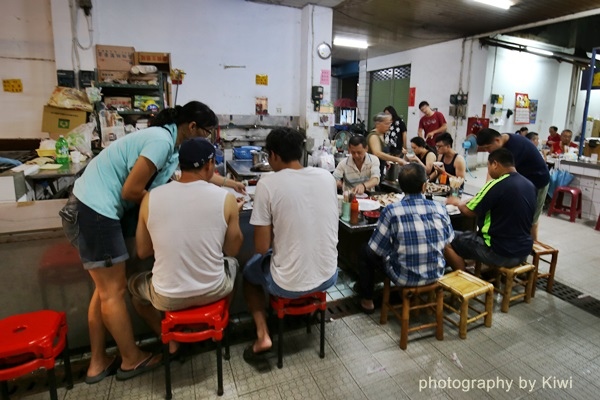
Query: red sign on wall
[[412, 93]]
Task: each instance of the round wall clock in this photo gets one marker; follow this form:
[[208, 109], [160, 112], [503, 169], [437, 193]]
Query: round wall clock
[[324, 51]]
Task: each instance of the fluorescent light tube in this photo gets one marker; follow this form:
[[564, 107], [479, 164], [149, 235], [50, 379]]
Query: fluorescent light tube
[[359, 44], [503, 4], [539, 51]]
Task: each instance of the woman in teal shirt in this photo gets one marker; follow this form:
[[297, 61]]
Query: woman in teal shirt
[[114, 182]]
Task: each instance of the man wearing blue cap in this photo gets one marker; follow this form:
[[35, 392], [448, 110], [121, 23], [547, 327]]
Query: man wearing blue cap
[[191, 226]]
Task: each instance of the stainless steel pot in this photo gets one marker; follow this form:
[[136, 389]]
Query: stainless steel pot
[[259, 157], [392, 172]]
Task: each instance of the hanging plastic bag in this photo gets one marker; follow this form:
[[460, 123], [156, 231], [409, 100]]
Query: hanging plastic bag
[[558, 177], [81, 138]]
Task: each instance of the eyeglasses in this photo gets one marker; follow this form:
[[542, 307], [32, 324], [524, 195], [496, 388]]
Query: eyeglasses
[[439, 146], [210, 131]]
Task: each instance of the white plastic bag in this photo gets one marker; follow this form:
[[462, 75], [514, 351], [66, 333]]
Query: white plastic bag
[[81, 138]]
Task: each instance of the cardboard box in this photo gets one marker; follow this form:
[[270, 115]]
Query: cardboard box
[[114, 58], [596, 128], [109, 76], [161, 60], [60, 121], [117, 101]]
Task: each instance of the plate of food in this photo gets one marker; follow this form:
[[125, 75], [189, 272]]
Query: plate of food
[[435, 189], [368, 205], [387, 198]]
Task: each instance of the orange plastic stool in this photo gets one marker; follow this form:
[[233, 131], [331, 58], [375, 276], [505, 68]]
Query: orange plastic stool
[[307, 304], [556, 205], [186, 326], [32, 341]]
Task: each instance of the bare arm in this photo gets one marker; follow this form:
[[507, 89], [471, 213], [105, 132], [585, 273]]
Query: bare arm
[[233, 235], [375, 147], [460, 166], [230, 183], [462, 206], [143, 241], [438, 130], [368, 185], [262, 238], [420, 132], [134, 187]]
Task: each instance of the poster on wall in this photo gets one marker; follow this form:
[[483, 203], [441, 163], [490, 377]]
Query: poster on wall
[[533, 106], [262, 106], [521, 108]]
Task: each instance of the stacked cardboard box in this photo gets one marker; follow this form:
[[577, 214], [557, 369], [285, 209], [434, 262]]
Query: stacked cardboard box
[[114, 62]]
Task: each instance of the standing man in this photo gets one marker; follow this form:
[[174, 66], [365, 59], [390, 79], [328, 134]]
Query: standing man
[[375, 142], [360, 171], [432, 124], [296, 215], [504, 208], [191, 226], [528, 162], [408, 242]]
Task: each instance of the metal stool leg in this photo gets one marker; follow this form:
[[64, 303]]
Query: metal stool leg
[[226, 339], [52, 384], [167, 361], [219, 369], [67, 362], [280, 344], [322, 350], [4, 388]]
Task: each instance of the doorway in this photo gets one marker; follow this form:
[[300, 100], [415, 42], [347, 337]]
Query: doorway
[[389, 86]]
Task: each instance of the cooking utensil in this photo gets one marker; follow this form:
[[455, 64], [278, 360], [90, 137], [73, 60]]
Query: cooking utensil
[[392, 173]]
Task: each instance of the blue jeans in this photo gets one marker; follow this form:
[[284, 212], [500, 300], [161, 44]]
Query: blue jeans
[[258, 272]]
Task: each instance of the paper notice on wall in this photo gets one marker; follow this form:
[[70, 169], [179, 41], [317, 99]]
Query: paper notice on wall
[[326, 119], [262, 106], [325, 77], [521, 108]]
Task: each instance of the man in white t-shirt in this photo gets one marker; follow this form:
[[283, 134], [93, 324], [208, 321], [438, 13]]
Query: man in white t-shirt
[[191, 226], [295, 214]]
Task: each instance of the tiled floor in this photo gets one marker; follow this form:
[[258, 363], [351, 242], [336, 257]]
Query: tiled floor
[[548, 349]]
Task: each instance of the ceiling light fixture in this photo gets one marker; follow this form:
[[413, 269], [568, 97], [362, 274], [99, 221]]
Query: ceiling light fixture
[[344, 42], [539, 51], [503, 4]]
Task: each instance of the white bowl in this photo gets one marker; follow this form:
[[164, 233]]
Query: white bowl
[[438, 164]]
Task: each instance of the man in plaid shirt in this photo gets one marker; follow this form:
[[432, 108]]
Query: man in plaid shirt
[[409, 240]]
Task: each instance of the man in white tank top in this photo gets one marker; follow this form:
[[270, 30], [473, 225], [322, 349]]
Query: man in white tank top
[[295, 214], [190, 226]]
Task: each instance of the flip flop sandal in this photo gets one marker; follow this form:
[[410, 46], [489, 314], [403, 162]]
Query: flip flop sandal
[[111, 369], [142, 367], [253, 358]]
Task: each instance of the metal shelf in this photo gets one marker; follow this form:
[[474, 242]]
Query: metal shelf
[[128, 86]]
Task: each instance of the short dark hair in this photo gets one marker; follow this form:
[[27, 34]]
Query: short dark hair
[[411, 178], [523, 129], [554, 128], [423, 103], [357, 140], [419, 141], [286, 143], [531, 135], [503, 157], [487, 136], [446, 138]]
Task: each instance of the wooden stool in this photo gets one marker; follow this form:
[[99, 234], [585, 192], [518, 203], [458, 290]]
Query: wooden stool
[[307, 304], [32, 341], [408, 294], [465, 287], [539, 250], [556, 205], [196, 325], [512, 277]]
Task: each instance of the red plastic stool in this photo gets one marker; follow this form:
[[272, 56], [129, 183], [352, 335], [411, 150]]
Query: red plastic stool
[[556, 206], [32, 341], [303, 305], [186, 326]]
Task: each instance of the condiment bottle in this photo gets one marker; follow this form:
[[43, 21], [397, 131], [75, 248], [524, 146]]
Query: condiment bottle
[[346, 207], [443, 178], [354, 211]]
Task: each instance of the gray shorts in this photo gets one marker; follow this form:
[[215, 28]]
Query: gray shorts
[[541, 198], [141, 288], [470, 246]]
